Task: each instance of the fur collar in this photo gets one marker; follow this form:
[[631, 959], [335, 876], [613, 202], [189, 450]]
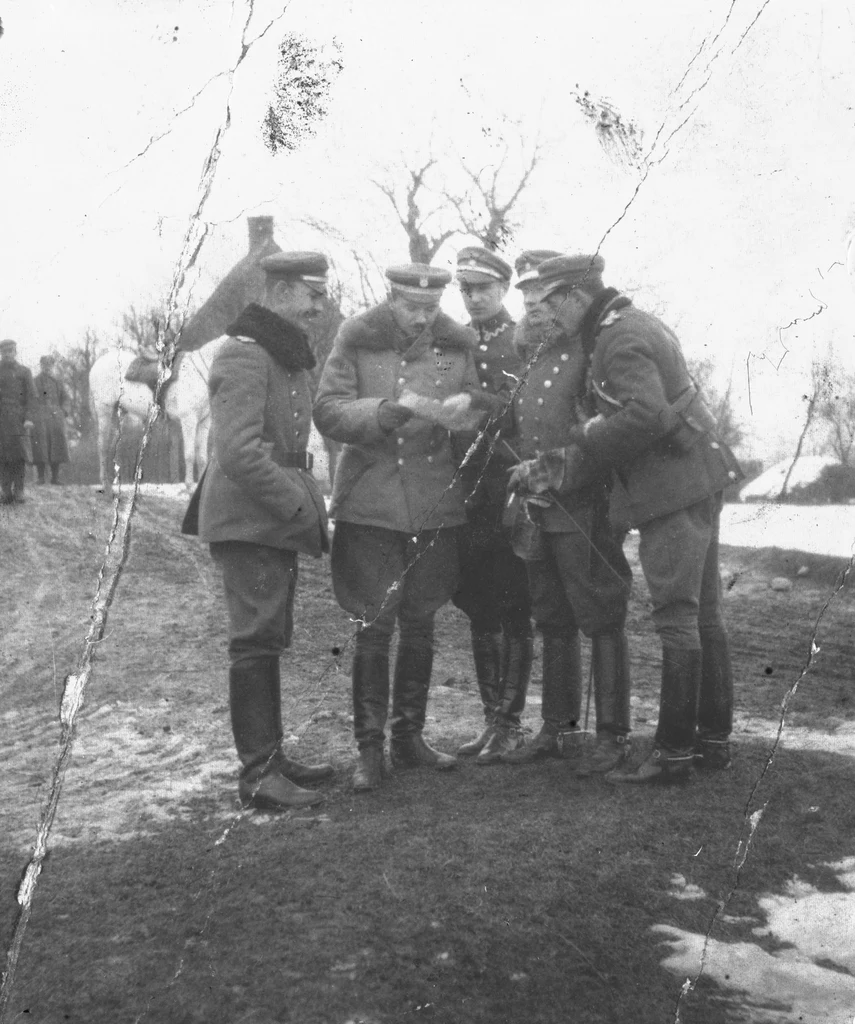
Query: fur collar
[[283, 340], [376, 330], [608, 301]]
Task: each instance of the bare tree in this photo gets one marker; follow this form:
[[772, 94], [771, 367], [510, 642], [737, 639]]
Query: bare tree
[[72, 368], [439, 195], [410, 203], [484, 209], [149, 328], [835, 408], [720, 403]]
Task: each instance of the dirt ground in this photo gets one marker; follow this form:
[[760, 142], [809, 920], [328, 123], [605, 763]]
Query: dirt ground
[[153, 761]]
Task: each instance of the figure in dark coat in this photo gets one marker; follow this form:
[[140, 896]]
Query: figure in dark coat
[[655, 432], [259, 506], [580, 581], [52, 406], [17, 410], [399, 378], [493, 589]]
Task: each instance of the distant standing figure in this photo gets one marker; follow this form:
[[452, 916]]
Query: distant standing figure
[[52, 406], [17, 405]]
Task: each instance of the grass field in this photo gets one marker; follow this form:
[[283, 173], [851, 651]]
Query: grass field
[[489, 894]]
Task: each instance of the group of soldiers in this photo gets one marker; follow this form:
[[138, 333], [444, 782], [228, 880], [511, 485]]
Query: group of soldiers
[[498, 466], [32, 423]]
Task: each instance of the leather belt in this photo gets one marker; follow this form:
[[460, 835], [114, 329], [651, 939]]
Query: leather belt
[[296, 460]]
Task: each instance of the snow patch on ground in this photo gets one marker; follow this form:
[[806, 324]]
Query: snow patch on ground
[[816, 529], [809, 981]]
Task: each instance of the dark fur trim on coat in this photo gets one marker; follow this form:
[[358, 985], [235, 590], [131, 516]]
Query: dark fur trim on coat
[[609, 300], [281, 339], [376, 330]]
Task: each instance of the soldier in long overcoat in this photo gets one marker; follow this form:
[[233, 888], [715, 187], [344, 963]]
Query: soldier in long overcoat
[[17, 409], [579, 579], [493, 590], [259, 507], [397, 499], [52, 406], [655, 432]]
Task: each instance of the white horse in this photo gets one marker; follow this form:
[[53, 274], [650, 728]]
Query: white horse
[[186, 401]]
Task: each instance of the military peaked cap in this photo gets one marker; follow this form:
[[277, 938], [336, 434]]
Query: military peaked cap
[[418, 281], [578, 271], [310, 267], [527, 262], [476, 265]]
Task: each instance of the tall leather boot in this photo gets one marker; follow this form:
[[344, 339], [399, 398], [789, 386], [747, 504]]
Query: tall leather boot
[[715, 706], [517, 656], [561, 702], [673, 752], [409, 706], [487, 658], [370, 707], [253, 699], [40, 472], [610, 663], [293, 770]]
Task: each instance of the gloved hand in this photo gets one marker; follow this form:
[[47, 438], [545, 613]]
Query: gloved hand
[[391, 415], [531, 475]]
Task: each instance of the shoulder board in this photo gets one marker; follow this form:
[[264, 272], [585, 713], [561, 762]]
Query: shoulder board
[[245, 339], [610, 318]]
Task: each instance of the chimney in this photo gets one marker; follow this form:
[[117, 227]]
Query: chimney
[[260, 231]]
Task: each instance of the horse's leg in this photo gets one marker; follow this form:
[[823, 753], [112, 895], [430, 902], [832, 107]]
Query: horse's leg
[[106, 442], [188, 440]]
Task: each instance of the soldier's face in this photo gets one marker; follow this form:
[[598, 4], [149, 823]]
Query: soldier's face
[[483, 301], [563, 309], [8, 353], [412, 317], [296, 300]]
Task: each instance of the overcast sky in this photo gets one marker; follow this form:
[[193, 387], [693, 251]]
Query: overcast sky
[[736, 233]]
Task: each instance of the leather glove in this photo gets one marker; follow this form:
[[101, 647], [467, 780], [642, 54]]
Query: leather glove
[[391, 415], [530, 475]]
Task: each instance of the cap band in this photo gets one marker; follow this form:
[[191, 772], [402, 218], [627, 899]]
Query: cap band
[[480, 268]]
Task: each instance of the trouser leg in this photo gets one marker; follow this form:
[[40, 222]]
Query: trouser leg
[[18, 476], [5, 482], [54, 472]]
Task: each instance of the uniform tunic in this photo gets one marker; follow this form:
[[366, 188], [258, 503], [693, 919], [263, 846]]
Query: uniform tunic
[[257, 510], [584, 580], [405, 481], [493, 589], [49, 442]]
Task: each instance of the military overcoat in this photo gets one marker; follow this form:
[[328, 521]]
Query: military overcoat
[[17, 405], [406, 479], [653, 427], [261, 410], [49, 442], [551, 403]]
